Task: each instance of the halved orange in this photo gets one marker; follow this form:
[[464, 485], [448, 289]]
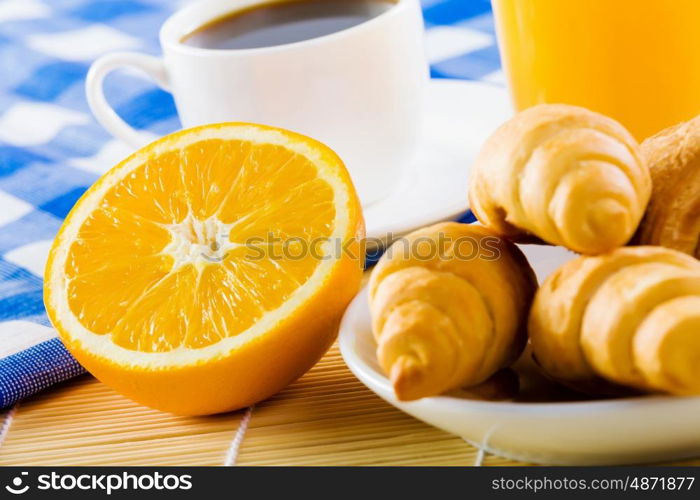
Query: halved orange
[[209, 269]]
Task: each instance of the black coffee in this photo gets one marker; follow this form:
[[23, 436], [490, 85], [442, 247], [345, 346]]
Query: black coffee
[[283, 22]]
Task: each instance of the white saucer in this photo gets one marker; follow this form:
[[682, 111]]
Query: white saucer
[[460, 115], [593, 432]]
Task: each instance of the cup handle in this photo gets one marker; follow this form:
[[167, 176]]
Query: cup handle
[[104, 113]]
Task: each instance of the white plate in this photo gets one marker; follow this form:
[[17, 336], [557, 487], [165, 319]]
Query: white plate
[[616, 431], [460, 115]]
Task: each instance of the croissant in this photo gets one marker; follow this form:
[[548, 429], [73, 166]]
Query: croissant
[[673, 215], [449, 307], [630, 318], [564, 175]]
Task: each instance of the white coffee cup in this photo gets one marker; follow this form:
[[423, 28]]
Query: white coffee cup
[[359, 90]]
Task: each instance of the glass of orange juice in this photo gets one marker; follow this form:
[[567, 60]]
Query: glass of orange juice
[[637, 61]]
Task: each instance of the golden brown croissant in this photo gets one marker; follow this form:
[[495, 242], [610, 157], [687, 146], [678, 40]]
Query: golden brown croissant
[[673, 216], [449, 307], [563, 174], [630, 317]]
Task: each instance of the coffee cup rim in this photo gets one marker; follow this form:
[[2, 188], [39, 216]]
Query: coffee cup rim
[[189, 18]]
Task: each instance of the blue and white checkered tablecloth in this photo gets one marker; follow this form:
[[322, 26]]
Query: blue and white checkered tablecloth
[[51, 149]]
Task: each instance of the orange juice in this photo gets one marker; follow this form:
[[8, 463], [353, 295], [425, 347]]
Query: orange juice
[[635, 60]]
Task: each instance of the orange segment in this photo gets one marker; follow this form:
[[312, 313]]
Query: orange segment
[[115, 257], [153, 190], [199, 250], [208, 171]]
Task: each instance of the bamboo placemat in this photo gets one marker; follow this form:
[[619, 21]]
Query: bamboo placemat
[[326, 418]]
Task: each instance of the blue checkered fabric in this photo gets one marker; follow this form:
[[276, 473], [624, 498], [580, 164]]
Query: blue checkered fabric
[[51, 149]]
